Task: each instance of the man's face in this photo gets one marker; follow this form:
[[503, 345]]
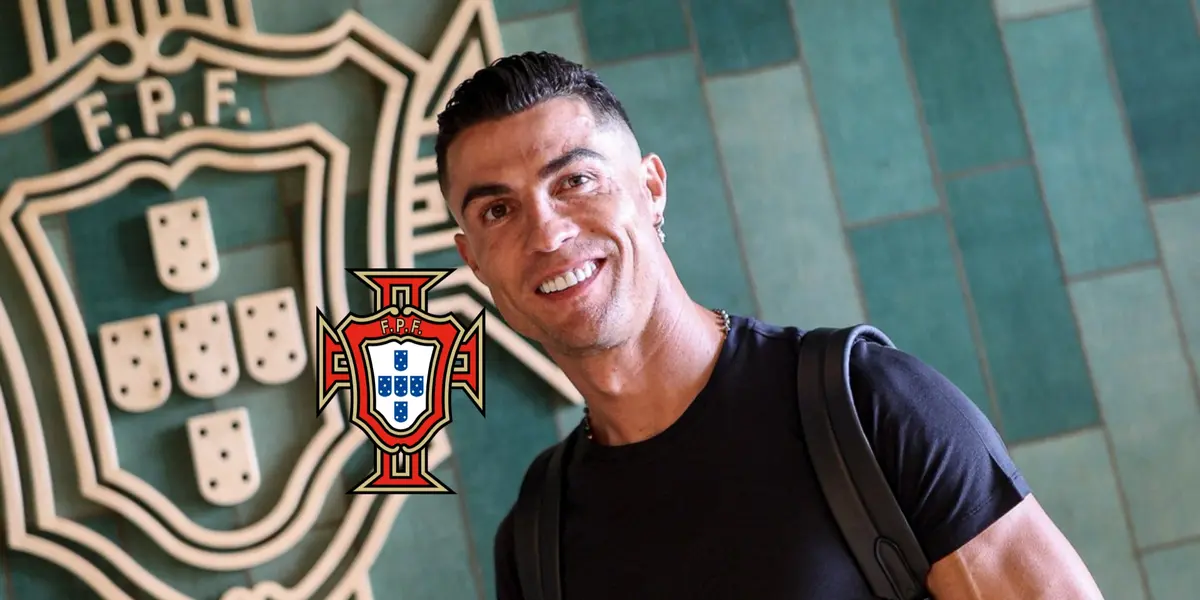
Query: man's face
[[558, 215]]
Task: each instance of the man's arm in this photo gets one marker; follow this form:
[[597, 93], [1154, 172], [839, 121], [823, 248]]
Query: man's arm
[[1022, 555], [967, 503]]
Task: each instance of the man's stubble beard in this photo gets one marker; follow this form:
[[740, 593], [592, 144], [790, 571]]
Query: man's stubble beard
[[601, 330], [609, 325]]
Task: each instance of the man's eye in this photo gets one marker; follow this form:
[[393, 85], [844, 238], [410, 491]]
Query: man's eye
[[575, 181], [495, 212]]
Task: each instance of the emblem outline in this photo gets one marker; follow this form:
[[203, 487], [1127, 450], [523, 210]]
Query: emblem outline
[[443, 378]]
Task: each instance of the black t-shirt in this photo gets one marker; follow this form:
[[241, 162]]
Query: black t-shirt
[[725, 503]]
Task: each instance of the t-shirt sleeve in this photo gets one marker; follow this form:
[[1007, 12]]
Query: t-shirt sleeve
[[507, 584], [952, 475]]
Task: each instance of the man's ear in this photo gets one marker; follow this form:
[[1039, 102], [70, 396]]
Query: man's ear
[[464, 251], [655, 179]]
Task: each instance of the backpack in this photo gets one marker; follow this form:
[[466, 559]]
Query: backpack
[[862, 502]]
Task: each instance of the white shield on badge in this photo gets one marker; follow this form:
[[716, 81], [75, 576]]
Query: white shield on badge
[[401, 373]]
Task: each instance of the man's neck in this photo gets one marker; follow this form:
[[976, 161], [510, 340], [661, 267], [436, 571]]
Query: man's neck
[[638, 389]]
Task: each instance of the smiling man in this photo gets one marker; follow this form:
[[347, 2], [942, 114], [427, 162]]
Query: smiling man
[[690, 478]]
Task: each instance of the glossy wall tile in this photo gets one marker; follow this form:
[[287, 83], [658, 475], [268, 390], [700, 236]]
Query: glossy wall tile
[[1025, 321], [963, 81], [1083, 159], [743, 36], [779, 180], [1155, 56], [869, 117]]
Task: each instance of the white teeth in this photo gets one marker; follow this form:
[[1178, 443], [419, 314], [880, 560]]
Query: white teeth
[[568, 279]]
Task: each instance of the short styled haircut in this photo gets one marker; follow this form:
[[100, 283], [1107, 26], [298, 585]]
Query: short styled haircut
[[517, 83]]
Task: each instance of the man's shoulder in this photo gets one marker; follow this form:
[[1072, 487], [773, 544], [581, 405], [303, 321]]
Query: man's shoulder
[[888, 376], [938, 449], [890, 385]]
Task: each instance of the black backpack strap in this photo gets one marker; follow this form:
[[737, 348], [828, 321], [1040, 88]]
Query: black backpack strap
[[525, 529], [862, 502], [536, 521]]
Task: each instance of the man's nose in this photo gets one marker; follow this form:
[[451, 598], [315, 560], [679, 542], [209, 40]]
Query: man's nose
[[551, 229]]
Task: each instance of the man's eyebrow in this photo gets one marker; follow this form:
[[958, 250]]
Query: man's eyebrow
[[496, 189], [483, 191], [567, 158]]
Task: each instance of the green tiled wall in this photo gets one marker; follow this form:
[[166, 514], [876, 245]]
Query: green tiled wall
[[1009, 188]]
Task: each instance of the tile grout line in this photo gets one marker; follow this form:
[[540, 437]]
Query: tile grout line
[[943, 195], [985, 169], [755, 70], [1115, 271], [1176, 315], [892, 218], [1109, 444], [1056, 436], [1039, 14], [1171, 545], [1139, 174], [830, 169], [920, 212], [727, 187], [1196, 15], [1171, 199]]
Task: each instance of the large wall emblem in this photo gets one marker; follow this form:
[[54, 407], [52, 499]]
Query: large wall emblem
[[203, 350]]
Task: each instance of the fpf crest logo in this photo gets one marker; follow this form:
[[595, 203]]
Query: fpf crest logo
[[167, 95], [400, 365]]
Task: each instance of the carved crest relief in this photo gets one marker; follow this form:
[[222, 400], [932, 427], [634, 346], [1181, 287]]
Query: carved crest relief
[[144, 49]]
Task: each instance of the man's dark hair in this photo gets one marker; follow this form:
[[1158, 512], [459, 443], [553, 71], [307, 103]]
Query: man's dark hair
[[517, 83]]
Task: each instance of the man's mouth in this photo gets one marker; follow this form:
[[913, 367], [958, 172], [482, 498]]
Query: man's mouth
[[569, 279]]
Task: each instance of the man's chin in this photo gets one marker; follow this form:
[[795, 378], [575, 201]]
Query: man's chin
[[575, 328], [576, 339]]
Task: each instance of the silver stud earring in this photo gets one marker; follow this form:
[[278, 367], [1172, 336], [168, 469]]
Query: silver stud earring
[[658, 227]]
